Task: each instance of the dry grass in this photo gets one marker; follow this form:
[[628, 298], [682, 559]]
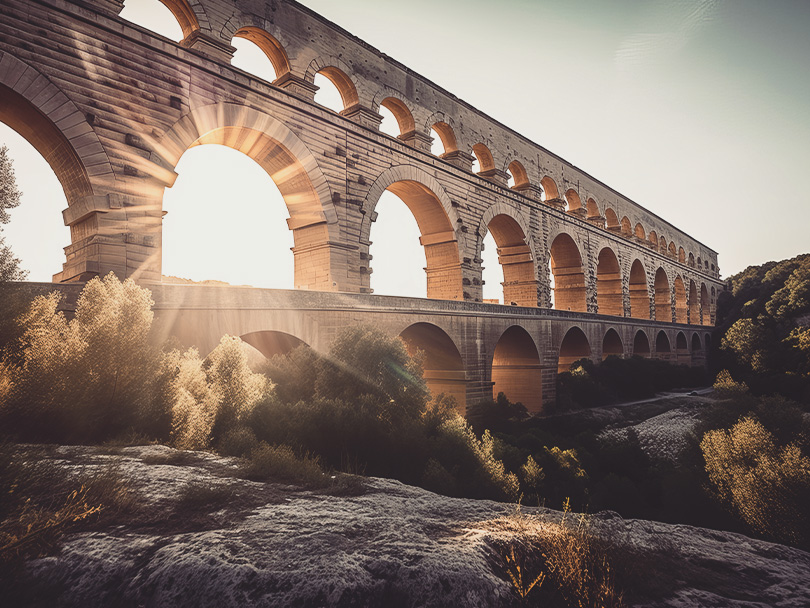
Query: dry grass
[[281, 463]]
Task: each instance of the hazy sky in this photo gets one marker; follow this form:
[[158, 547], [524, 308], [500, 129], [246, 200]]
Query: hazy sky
[[699, 111]]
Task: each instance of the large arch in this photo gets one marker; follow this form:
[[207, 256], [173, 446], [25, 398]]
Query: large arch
[[435, 217], [694, 304], [639, 293], [641, 345], [663, 299], [663, 350], [680, 300], [516, 369], [569, 278], [574, 346], [612, 344], [705, 305], [609, 284], [288, 162], [516, 259], [271, 343], [442, 364]]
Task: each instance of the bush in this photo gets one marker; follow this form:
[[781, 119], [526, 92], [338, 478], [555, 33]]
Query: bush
[[280, 463]]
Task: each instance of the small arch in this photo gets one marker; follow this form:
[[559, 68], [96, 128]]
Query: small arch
[[627, 227], [662, 346], [567, 275], [694, 304], [653, 238], [611, 219], [707, 340], [662, 244], [516, 260], [573, 200], [680, 300], [697, 345], [681, 255], [343, 84], [549, 188], [272, 343], [592, 209], [446, 136], [575, 346], [484, 156], [699, 263], [639, 293], [639, 232], [705, 306], [403, 115], [516, 369], [682, 355], [609, 284], [691, 260], [663, 299], [641, 345], [442, 365], [269, 46], [612, 344], [519, 174], [673, 251]]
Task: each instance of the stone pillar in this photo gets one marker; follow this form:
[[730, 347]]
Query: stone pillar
[[496, 176], [460, 159], [530, 190], [214, 47], [444, 280], [296, 85], [417, 140], [363, 116], [518, 266]]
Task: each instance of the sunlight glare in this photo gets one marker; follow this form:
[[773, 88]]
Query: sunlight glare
[[398, 257]]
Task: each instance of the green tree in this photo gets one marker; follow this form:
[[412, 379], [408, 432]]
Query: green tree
[[9, 199]]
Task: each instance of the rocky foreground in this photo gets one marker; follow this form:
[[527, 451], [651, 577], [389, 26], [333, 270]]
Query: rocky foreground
[[200, 536]]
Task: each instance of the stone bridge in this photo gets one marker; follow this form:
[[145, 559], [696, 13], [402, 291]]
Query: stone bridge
[[113, 106]]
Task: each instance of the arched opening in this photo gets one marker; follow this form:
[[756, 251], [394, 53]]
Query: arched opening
[[272, 343], [653, 238], [680, 300], [330, 80], [639, 294], [662, 244], [403, 119], [612, 344], [592, 209], [573, 200], [254, 49], [550, 191], [681, 255], [575, 346], [662, 347], [691, 260], [567, 274], [516, 261], [516, 369], [694, 304], [483, 157], [435, 235], [705, 306], [519, 176], [444, 140], [697, 346], [612, 220], [708, 342], [639, 231], [641, 345], [663, 299], [442, 364], [672, 249], [682, 349], [627, 228], [609, 284], [257, 252], [172, 19], [700, 263]]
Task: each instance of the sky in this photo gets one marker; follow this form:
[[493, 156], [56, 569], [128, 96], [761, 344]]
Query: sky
[[698, 111]]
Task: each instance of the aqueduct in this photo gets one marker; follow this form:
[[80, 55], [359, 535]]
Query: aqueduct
[[113, 106]]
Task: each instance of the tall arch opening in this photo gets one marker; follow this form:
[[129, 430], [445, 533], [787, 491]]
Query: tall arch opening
[[516, 262], [609, 284], [612, 344], [516, 369], [681, 255], [567, 274], [680, 300], [434, 232], [575, 346], [694, 304], [641, 345], [172, 19], [705, 305], [663, 299], [442, 364], [682, 349], [662, 346], [639, 294], [272, 343]]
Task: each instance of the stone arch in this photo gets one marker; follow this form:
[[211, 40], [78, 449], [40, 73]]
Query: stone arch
[[444, 131], [338, 73], [707, 341], [663, 298], [699, 263], [653, 238], [574, 346], [190, 16], [691, 260], [443, 366], [592, 209], [434, 214], [269, 46], [612, 344], [573, 200], [639, 291], [484, 156], [519, 174], [662, 244], [662, 345], [641, 345], [515, 253], [627, 229], [694, 304], [639, 232], [673, 251], [569, 277], [290, 164], [697, 345], [682, 355], [680, 300], [516, 369], [705, 306], [609, 297], [550, 190], [612, 220], [401, 112], [681, 255], [271, 343]]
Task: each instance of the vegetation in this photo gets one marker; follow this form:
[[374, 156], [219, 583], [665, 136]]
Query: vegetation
[[10, 197]]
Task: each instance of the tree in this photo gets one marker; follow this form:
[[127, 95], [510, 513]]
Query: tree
[[9, 198]]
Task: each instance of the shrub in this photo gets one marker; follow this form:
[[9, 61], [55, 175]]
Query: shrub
[[726, 388], [280, 463], [767, 487], [238, 441]]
